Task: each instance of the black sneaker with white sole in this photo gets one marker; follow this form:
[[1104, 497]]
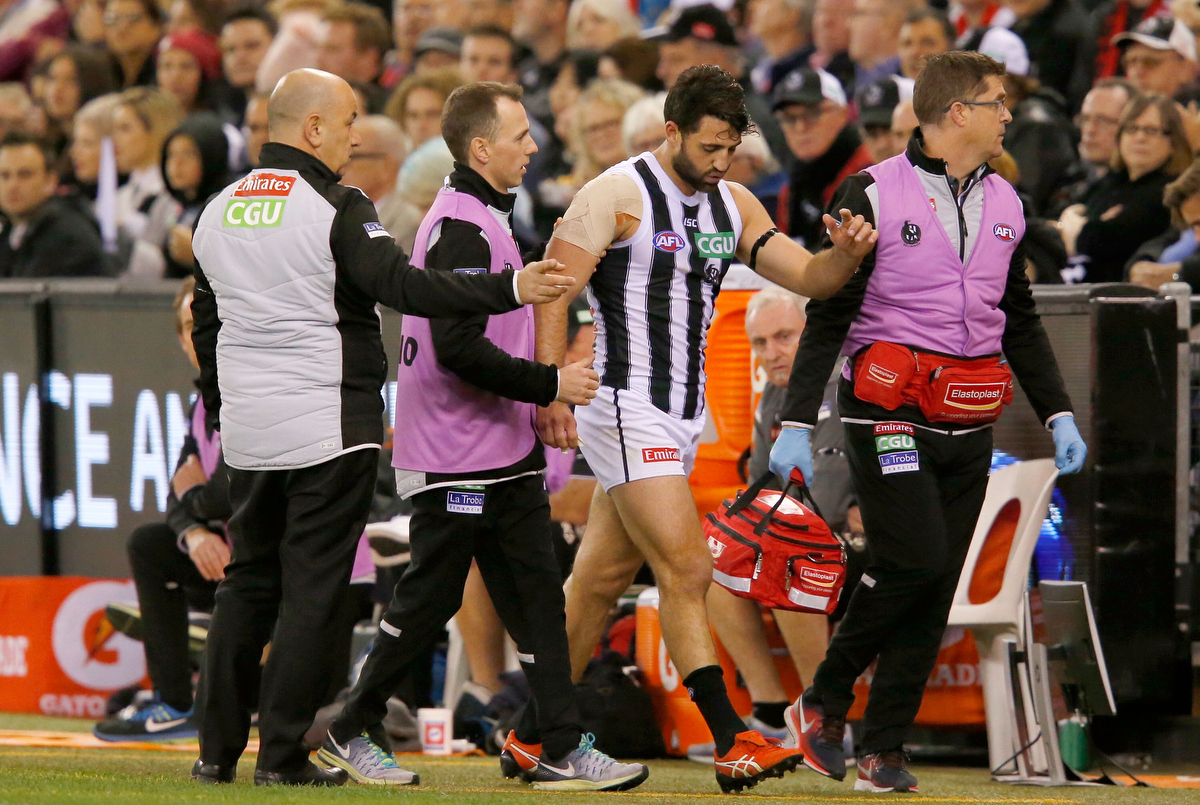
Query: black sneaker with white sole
[[884, 773]]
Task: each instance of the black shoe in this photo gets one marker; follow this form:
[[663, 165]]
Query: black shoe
[[311, 774], [211, 773]]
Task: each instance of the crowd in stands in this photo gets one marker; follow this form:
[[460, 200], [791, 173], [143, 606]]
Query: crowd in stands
[[118, 118]]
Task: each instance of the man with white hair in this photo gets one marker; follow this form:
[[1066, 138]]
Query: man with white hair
[[811, 108], [375, 164]]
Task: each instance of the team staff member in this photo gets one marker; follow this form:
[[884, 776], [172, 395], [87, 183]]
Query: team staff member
[[654, 235], [289, 268], [467, 454], [944, 293]]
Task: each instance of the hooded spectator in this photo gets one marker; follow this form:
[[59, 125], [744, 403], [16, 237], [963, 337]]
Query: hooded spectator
[[417, 104], [1125, 208], [188, 65], [811, 107], [1060, 38], [783, 27], [132, 29], [599, 24], [41, 234]]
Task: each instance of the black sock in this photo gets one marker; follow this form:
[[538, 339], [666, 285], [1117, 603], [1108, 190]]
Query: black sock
[[526, 729], [706, 686], [771, 713]]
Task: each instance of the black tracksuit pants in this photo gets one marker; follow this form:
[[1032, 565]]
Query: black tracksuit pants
[[167, 584], [510, 540], [294, 536], [918, 526]]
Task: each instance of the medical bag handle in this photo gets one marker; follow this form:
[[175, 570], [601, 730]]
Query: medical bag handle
[[752, 492]]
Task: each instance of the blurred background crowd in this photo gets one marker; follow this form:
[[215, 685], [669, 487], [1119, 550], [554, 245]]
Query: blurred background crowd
[[118, 118]]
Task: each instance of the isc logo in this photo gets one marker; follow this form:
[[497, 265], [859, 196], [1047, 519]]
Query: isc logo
[[1004, 232], [669, 241]]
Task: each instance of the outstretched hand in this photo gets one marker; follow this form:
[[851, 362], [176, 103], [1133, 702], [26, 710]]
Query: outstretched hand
[[852, 235], [543, 281]]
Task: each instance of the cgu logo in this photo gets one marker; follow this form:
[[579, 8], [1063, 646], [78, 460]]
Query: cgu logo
[[1004, 232], [818, 577], [256, 213], [669, 242], [720, 245], [898, 442]]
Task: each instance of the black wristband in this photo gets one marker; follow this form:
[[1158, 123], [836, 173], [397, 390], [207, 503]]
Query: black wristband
[[758, 244]]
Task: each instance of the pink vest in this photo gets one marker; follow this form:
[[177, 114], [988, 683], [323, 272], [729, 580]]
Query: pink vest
[[920, 294], [443, 424]]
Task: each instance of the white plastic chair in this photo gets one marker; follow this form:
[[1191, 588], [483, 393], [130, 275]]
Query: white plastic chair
[[991, 590]]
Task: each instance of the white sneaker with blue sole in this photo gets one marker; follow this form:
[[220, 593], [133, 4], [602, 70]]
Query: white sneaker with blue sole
[[586, 768]]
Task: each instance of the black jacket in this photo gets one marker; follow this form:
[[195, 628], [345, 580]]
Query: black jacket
[[61, 240], [1061, 40], [461, 344], [1135, 214], [1024, 341], [812, 179], [205, 505]]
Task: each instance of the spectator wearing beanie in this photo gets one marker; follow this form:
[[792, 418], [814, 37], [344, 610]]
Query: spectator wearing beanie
[[188, 65], [132, 29], [1125, 208], [811, 107]]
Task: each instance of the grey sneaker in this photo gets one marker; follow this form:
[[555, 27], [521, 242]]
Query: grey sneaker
[[588, 769], [365, 761]]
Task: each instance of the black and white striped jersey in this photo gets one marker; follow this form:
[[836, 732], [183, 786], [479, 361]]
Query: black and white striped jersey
[[653, 294]]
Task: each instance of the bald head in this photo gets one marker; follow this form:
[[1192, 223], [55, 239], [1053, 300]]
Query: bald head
[[314, 111]]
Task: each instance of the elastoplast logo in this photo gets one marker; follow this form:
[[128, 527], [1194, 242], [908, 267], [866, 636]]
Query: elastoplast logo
[[86, 648], [821, 577], [1004, 232], [255, 213], [669, 242], [877, 372], [264, 184], [975, 396], [653, 454]]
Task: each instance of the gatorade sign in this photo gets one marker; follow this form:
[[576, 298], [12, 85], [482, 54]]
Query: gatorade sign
[[718, 245], [258, 200]]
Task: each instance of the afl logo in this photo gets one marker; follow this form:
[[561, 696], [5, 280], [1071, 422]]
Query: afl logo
[[669, 242], [910, 233], [1004, 232]]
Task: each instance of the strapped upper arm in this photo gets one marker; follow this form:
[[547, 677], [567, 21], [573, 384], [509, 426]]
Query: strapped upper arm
[[605, 211]]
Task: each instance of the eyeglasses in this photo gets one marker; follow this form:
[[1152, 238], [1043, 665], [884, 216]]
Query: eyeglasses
[[600, 128], [996, 104], [1082, 120], [1149, 131], [112, 20], [809, 116]]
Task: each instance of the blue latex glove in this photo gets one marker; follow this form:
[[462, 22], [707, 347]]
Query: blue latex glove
[[1069, 449], [792, 449]]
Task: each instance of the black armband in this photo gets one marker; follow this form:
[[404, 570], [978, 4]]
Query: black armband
[[758, 244]]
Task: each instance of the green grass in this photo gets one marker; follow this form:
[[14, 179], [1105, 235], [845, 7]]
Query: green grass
[[34, 775]]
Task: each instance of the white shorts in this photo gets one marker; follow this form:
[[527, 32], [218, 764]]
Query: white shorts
[[625, 438]]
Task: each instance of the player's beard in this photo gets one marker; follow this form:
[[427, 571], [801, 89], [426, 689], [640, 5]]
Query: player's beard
[[688, 171]]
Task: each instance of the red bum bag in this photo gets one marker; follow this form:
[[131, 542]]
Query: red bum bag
[[964, 391]]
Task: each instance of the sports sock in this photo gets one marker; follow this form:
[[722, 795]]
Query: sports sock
[[771, 713], [706, 686]]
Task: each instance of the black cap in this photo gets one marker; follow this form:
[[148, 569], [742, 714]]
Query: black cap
[[809, 87], [706, 23], [876, 100], [440, 39]]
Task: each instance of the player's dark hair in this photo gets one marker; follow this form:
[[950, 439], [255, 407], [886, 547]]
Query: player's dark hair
[[470, 112], [707, 91]]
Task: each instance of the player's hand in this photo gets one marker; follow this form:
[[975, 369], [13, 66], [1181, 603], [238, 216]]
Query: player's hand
[[556, 426], [189, 474], [542, 281], [792, 450], [853, 236], [577, 382], [209, 553], [1069, 447]]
